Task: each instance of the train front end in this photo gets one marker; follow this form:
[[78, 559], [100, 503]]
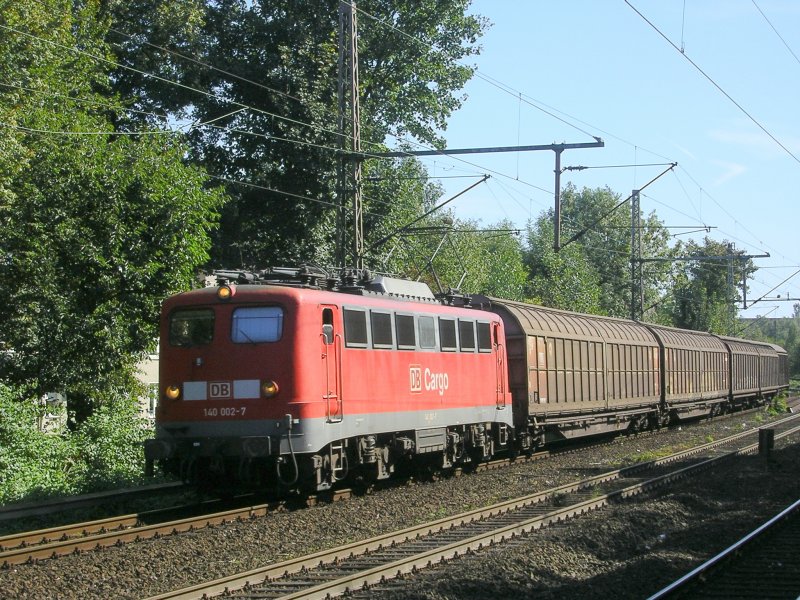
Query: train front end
[[226, 381]]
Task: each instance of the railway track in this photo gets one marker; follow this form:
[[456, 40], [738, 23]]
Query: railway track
[[102, 533], [50, 543], [359, 565], [13, 512], [59, 541], [760, 565]]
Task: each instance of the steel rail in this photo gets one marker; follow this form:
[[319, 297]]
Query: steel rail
[[18, 511], [123, 533], [702, 572], [45, 536], [418, 560]]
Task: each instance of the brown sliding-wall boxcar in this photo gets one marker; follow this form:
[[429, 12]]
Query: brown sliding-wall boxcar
[[745, 369], [759, 370], [572, 374], [774, 370], [695, 374]]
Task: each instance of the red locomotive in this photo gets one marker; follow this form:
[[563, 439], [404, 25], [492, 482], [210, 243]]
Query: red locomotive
[[295, 379], [304, 385]]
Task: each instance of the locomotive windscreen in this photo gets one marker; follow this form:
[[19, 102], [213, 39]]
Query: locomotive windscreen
[[191, 327]]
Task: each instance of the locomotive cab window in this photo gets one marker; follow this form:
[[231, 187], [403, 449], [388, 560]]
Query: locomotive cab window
[[447, 334], [327, 325], [355, 328], [466, 335], [484, 337], [404, 326], [255, 324], [191, 327], [381, 330], [427, 332]]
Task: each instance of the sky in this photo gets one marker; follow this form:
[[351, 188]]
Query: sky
[[563, 72]]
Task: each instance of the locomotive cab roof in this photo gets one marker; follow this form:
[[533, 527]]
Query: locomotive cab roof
[[350, 281]]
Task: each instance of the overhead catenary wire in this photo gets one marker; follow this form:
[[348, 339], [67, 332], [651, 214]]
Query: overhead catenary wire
[[179, 131], [780, 37], [292, 194], [715, 84], [236, 103], [193, 60], [180, 85], [51, 94], [240, 131], [496, 83], [734, 219]]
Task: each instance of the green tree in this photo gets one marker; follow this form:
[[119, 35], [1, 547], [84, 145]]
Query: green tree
[[261, 90], [396, 194], [564, 279], [461, 255], [502, 265], [793, 342], [592, 272], [96, 226], [705, 292], [603, 221]]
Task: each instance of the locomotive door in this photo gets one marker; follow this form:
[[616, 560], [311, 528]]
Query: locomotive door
[[500, 367], [331, 364]]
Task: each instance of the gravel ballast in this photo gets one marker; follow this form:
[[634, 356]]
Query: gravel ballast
[[629, 550]]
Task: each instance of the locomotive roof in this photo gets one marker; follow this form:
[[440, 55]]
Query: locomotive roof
[[357, 282], [265, 292]]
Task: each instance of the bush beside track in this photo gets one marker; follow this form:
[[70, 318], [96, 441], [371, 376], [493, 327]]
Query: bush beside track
[[103, 452]]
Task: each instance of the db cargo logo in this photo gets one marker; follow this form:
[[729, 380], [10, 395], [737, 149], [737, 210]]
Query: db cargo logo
[[433, 382], [415, 378], [220, 389]]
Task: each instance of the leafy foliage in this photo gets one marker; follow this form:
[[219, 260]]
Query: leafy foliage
[[96, 227], [475, 260], [31, 463], [592, 274], [563, 280], [103, 452], [782, 331], [266, 114], [705, 291]]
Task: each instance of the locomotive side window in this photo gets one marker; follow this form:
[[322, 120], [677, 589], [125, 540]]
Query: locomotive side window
[[427, 333], [253, 324], [381, 330], [191, 327], [355, 328], [484, 337], [447, 334], [404, 324], [466, 335], [327, 325]]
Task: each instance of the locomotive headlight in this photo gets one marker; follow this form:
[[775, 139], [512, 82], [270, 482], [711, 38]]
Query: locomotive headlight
[[269, 389], [173, 392], [225, 292]]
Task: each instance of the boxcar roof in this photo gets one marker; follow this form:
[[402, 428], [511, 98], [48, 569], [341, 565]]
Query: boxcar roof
[[672, 337], [740, 346], [778, 349], [765, 348], [541, 320]]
